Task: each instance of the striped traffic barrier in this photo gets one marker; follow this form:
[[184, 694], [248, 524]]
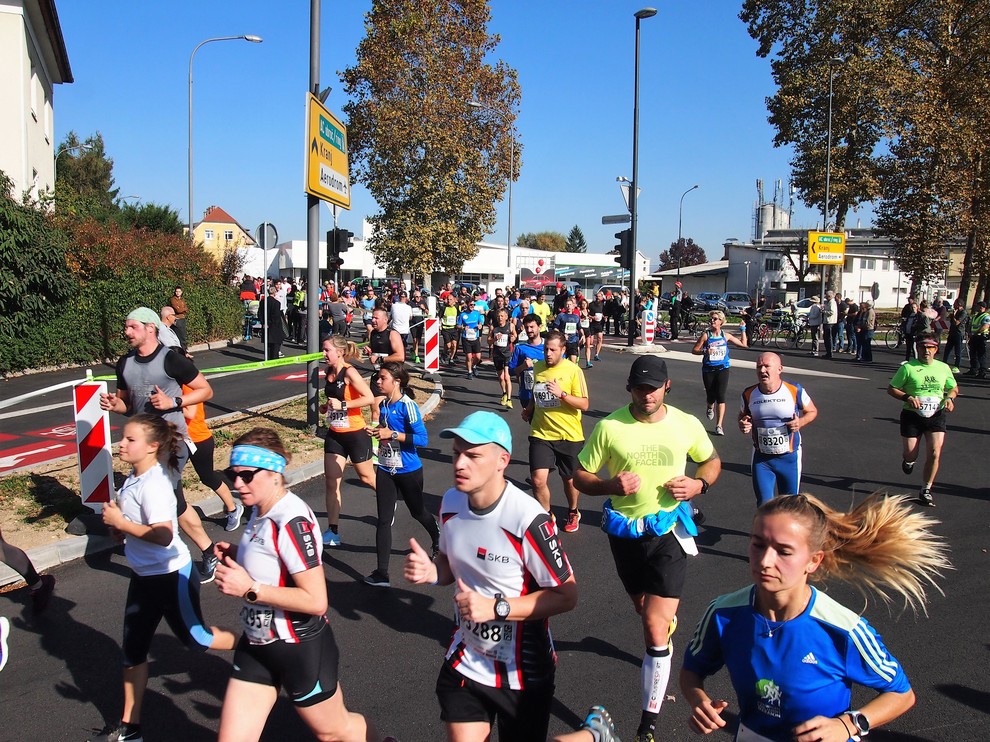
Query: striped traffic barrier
[[432, 346], [93, 442], [649, 329]]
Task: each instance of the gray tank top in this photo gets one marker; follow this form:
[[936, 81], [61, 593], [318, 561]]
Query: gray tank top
[[141, 380]]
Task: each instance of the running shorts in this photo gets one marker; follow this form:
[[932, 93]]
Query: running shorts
[[655, 565], [914, 425], [549, 454], [354, 445]]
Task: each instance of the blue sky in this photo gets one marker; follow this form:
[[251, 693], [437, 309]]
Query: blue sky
[[702, 110]]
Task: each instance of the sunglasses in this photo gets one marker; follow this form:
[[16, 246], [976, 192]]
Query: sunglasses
[[246, 475]]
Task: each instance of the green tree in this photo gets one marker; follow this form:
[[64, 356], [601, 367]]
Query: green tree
[[547, 241], [576, 241], [84, 179], [151, 216], [434, 165], [688, 250]]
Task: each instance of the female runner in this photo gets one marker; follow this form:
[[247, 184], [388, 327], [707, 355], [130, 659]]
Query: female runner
[[793, 652], [714, 346], [347, 392], [164, 583], [501, 339], [276, 570], [400, 472]]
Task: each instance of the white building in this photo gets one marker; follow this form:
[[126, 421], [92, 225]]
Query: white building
[[33, 60]]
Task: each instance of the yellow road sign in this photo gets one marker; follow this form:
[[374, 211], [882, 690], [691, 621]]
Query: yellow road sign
[[827, 248], [327, 176]]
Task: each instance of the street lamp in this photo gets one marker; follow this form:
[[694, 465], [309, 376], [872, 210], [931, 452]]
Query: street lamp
[[254, 40], [478, 106], [68, 148], [633, 187], [680, 221], [747, 263], [832, 64]]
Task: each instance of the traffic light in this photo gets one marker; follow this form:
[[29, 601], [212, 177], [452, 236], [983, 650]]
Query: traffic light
[[331, 246], [344, 240], [623, 250]]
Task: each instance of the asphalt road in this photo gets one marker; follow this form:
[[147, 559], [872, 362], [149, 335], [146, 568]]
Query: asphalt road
[[62, 680]]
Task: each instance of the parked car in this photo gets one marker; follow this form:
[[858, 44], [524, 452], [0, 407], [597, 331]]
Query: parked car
[[665, 300], [707, 301], [736, 301], [615, 288]]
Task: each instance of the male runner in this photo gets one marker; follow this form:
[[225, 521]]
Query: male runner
[[644, 447], [525, 356], [928, 390], [448, 327], [150, 379], [504, 553], [471, 321], [560, 395], [773, 412], [420, 311], [569, 322], [541, 309]]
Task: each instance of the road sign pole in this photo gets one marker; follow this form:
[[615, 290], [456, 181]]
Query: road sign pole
[[313, 239]]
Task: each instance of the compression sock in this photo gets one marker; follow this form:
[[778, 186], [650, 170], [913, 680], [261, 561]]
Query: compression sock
[[655, 675]]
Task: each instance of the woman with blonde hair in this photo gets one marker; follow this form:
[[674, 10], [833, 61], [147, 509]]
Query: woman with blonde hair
[[793, 652], [714, 346], [347, 392]]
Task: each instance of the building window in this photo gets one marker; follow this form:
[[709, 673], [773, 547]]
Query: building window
[[847, 266], [867, 264], [209, 234], [771, 264], [228, 235], [885, 265]]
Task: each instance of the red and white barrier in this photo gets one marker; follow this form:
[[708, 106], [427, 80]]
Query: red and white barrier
[[431, 336], [649, 326], [93, 441]]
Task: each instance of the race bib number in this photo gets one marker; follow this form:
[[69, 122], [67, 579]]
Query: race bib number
[[257, 623], [544, 398], [773, 440], [570, 328], [598, 316], [368, 316], [586, 323], [501, 340], [470, 333], [417, 312], [528, 376], [337, 420], [492, 639], [448, 321], [389, 455], [929, 406], [717, 352]]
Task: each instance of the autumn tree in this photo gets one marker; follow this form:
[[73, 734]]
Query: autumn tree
[[150, 216], [576, 241], [547, 241], [84, 184], [688, 251], [434, 165]]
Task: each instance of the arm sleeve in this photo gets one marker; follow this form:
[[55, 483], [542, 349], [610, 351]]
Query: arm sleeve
[[297, 548], [701, 448], [158, 503], [179, 367], [578, 386], [415, 425], [869, 663], [543, 553], [899, 377], [593, 456]]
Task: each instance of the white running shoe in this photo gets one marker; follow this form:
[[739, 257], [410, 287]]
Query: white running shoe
[[234, 518]]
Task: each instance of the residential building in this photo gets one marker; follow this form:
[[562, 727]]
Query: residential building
[[219, 231]]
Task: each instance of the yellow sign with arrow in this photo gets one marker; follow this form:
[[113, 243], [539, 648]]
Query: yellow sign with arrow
[[827, 248], [327, 175]]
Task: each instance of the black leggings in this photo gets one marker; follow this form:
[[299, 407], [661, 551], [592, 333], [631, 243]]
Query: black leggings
[[388, 487], [202, 462], [716, 384]]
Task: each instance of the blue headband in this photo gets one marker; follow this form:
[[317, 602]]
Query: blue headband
[[258, 457]]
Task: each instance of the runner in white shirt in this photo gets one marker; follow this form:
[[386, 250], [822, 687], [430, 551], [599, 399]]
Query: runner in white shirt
[[504, 553]]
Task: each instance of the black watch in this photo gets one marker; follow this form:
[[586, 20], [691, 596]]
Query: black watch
[[251, 596], [860, 721], [704, 486], [394, 436], [178, 403], [502, 607]]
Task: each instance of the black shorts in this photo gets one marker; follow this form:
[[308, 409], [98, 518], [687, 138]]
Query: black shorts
[[914, 425], [523, 715], [596, 328], [549, 454], [449, 336], [354, 445], [500, 359], [416, 328], [572, 348], [471, 346], [307, 670], [655, 565], [716, 384]]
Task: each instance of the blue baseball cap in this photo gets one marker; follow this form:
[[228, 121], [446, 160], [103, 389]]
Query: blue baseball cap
[[482, 427]]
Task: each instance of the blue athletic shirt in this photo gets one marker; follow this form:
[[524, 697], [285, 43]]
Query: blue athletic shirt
[[402, 416], [716, 352], [566, 321], [805, 669], [471, 323], [520, 353]]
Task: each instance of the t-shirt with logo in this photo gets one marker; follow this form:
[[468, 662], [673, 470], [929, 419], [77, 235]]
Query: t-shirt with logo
[[520, 353], [785, 673], [553, 419], [657, 452], [771, 411], [470, 323], [569, 324], [513, 548], [274, 547], [928, 382]]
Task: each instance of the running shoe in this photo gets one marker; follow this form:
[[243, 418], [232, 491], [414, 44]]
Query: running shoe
[[378, 579], [710, 412], [599, 723], [907, 466], [208, 570], [508, 402], [719, 430], [4, 632], [597, 359], [589, 364], [955, 369], [43, 593], [505, 400], [234, 518], [697, 516], [573, 521], [331, 539], [123, 732], [925, 497], [646, 737], [415, 359]]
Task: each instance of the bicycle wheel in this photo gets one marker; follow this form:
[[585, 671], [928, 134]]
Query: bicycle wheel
[[780, 338], [763, 334], [892, 338]]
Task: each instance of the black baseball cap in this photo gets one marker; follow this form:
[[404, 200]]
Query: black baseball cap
[[648, 370]]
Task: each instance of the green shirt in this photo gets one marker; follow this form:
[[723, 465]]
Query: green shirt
[[929, 382]]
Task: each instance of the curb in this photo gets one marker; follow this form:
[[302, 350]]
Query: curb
[[76, 547]]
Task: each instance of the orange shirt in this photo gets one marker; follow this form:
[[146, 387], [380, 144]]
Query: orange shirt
[[198, 429]]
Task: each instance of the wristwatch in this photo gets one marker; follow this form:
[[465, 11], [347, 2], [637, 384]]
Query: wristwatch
[[178, 403], [394, 436], [704, 485], [860, 721], [343, 406], [563, 395], [502, 607], [251, 596]]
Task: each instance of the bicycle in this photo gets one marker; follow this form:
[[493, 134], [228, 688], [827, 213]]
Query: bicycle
[[893, 337], [794, 334]]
